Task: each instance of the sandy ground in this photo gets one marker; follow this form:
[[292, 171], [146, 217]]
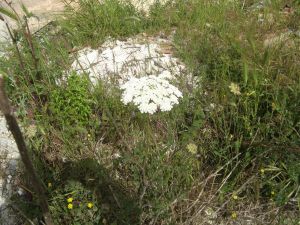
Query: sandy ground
[[42, 6], [44, 10]]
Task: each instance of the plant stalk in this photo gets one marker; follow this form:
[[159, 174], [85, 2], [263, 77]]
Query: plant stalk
[[17, 134]]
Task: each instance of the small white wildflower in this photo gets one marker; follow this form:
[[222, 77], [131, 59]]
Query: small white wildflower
[[20, 191], [116, 156], [235, 89], [210, 213], [150, 93]]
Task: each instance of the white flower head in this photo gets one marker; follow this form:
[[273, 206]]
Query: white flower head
[[235, 88], [150, 94]]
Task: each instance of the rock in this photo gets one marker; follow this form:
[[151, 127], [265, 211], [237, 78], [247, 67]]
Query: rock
[[145, 5], [9, 156], [121, 60]]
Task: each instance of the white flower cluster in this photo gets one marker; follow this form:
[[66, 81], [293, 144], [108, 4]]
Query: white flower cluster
[[150, 94]]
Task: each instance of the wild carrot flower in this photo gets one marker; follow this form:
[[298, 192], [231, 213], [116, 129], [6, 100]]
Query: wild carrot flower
[[150, 94]]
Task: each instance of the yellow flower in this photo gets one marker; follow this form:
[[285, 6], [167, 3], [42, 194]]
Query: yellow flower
[[49, 185], [70, 206], [69, 200], [235, 197], [262, 171], [235, 89], [234, 215], [90, 205], [272, 192], [192, 148]]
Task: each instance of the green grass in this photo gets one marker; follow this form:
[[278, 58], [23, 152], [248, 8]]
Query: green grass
[[247, 142], [91, 22]]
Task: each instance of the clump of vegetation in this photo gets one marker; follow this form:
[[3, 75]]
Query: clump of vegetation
[[91, 22], [77, 202], [71, 105], [227, 153]]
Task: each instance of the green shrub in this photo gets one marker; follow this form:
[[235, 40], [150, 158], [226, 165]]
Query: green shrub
[[71, 105]]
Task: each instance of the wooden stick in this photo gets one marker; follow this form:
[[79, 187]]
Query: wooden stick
[[17, 134]]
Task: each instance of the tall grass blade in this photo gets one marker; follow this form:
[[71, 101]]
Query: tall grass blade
[[8, 13]]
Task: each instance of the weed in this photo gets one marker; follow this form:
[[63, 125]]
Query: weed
[[72, 104]]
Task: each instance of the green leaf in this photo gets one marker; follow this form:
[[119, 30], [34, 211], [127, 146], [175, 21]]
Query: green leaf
[[245, 73], [8, 13], [25, 10]]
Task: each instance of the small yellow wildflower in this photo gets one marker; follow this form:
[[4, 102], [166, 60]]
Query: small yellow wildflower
[[272, 192], [235, 89], [235, 197], [192, 148], [69, 200], [49, 185], [234, 215], [90, 205], [70, 206], [262, 171]]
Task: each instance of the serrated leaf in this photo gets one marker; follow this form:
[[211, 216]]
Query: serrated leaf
[[8, 13]]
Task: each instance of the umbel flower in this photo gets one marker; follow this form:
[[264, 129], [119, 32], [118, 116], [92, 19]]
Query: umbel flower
[[150, 94]]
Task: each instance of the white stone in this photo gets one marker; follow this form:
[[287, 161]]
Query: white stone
[[121, 60], [8, 164]]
